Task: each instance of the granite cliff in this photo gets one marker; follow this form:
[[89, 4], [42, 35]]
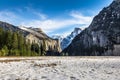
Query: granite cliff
[[102, 37], [35, 35]]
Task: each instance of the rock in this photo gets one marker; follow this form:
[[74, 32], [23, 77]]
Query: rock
[[102, 37], [34, 35]]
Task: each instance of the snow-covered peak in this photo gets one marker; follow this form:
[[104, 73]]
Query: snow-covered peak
[[35, 31], [75, 32], [31, 29], [67, 40], [59, 37], [23, 28]]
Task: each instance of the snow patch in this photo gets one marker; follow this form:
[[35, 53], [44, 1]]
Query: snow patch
[[61, 68]]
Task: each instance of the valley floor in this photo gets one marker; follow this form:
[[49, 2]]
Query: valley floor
[[60, 68]]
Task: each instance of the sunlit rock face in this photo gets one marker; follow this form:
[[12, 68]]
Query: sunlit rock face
[[51, 44], [102, 37], [34, 35]]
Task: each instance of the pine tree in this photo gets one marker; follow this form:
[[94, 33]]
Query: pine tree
[[8, 39], [4, 51], [43, 48], [20, 44], [1, 33], [1, 38], [28, 47], [14, 41]]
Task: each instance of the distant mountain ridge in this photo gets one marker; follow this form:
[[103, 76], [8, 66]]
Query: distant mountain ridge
[[59, 37], [65, 41], [7, 26]]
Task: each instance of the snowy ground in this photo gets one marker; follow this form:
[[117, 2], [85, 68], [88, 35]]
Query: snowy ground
[[60, 68]]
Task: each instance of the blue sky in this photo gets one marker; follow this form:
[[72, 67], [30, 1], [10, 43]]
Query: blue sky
[[53, 16]]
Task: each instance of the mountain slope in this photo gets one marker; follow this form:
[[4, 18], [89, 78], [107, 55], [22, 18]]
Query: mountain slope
[[36, 31], [38, 36], [34, 35], [7, 26], [102, 37]]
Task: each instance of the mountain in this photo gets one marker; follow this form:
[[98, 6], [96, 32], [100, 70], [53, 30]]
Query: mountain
[[65, 41], [59, 37], [7, 26], [38, 36], [34, 35], [102, 37], [35, 31]]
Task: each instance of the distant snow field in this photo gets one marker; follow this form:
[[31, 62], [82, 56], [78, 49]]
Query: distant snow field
[[60, 68]]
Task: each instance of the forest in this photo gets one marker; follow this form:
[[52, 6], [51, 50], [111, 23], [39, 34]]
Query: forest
[[15, 44]]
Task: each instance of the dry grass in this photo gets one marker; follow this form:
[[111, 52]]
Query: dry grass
[[17, 60], [45, 65], [6, 61]]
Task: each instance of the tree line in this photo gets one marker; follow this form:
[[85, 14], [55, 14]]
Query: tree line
[[15, 44]]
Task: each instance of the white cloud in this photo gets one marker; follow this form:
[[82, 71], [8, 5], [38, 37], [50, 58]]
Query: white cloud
[[7, 16], [48, 25], [39, 14], [81, 18]]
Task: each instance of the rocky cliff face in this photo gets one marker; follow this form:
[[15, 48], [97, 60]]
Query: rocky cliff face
[[34, 35], [102, 37]]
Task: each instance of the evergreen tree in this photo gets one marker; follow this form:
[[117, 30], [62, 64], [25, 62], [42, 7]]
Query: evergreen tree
[[28, 48], [20, 44], [1, 38], [1, 33], [43, 48], [15, 44], [14, 41], [4, 51], [8, 39]]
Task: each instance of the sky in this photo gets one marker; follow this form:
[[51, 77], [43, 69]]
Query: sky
[[54, 17]]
